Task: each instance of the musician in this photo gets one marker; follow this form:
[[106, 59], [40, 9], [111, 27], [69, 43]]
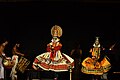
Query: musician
[[2, 56], [15, 57]]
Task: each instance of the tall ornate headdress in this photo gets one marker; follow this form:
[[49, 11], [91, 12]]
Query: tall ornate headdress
[[56, 31], [96, 44]]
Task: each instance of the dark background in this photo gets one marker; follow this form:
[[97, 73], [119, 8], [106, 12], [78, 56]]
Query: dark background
[[29, 23]]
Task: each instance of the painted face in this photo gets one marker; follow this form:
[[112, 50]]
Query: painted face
[[97, 43], [55, 39]]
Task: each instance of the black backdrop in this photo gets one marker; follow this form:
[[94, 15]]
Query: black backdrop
[[29, 23]]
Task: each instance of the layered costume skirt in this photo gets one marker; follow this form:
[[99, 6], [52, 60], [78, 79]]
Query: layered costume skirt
[[96, 68], [61, 62]]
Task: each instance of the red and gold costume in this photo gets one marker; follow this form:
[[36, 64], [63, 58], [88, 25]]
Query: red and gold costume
[[54, 59]]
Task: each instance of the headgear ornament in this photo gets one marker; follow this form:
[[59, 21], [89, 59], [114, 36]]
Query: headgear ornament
[[56, 31], [96, 44]]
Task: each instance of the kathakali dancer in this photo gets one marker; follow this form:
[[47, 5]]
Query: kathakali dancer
[[53, 59], [94, 65]]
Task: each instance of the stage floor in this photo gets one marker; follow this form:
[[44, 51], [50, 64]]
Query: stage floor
[[31, 74]]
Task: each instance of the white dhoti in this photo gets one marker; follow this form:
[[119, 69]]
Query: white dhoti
[[1, 69]]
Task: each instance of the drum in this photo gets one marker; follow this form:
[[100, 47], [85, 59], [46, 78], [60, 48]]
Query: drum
[[22, 64], [8, 63]]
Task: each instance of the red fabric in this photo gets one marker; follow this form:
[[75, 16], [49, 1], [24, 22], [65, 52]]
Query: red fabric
[[48, 48], [57, 48], [55, 67], [52, 55], [36, 60], [53, 51]]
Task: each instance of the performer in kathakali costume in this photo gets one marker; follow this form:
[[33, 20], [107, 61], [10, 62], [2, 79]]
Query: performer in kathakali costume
[[96, 65], [54, 59]]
